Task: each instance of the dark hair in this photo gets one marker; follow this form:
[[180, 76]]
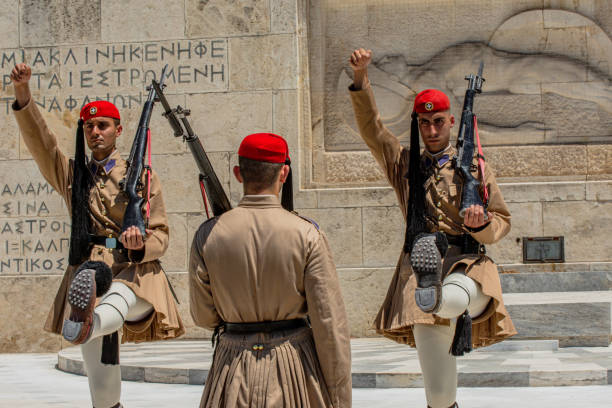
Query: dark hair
[[257, 174], [117, 121]]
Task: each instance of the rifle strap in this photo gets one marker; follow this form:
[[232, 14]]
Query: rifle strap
[[481, 163], [203, 190], [148, 176]]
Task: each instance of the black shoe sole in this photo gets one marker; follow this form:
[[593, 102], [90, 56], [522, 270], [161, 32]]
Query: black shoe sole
[[82, 299], [426, 263]]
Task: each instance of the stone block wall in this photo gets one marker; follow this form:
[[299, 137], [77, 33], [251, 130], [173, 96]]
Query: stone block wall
[[281, 65]]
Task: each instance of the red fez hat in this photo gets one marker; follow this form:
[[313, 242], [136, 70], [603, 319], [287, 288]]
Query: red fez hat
[[99, 108], [271, 148], [431, 100], [266, 147]]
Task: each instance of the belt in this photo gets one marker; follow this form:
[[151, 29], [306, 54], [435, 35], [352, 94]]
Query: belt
[[264, 327], [108, 242], [467, 244]]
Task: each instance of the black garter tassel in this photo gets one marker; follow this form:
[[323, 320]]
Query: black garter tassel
[[110, 349], [462, 342]]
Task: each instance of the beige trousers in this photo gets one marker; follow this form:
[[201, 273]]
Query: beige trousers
[[116, 306], [433, 342]]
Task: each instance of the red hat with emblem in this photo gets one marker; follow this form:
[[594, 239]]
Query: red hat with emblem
[[99, 109], [270, 148], [431, 100], [266, 147]]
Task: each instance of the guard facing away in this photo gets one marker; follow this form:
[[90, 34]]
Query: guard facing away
[[114, 282], [445, 296], [263, 278]]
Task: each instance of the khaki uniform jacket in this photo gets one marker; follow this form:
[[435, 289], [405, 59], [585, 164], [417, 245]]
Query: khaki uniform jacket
[[399, 311], [139, 270], [262, 263]]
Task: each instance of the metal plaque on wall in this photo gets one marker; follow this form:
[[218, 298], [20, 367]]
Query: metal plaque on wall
[[543, 249]]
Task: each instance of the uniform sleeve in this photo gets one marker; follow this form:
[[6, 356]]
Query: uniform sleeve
[[42, 144], [156, 243], [500, 224], [385, 147], [329, 322], [201, 304]]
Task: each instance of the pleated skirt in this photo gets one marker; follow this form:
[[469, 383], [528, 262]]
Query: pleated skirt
[[277, 370], [399, 312]]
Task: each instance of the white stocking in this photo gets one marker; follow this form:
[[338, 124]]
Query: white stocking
[[116, 306], [439, 367]]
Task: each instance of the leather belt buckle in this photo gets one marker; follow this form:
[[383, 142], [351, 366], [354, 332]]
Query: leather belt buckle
[[111, 243]]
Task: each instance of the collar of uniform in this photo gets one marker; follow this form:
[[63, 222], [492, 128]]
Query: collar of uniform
[[260, 201], [109, 163], [440, 158]]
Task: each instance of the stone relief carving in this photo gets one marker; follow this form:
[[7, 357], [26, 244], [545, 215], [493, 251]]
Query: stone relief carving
[[548, 81]]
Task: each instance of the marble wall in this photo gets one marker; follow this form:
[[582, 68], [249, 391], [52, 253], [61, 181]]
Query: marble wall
[[281, 65]]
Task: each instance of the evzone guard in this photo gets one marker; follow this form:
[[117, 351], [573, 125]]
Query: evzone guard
[[114, 282], [263, 278], [445, 297]]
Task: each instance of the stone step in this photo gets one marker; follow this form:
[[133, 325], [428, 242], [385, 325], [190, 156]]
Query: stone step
[[556, 281], [521, 345], [380, 363], [573, 318]]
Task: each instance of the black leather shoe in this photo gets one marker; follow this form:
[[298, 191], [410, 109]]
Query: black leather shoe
[[426, 260], [82, 299]]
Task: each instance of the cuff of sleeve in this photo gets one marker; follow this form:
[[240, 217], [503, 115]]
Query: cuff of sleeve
[[482, 234], [136, 256], [16, 108], [365, 87], [482, 227]]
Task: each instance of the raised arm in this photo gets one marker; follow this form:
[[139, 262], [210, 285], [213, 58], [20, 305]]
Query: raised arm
[[41, 142], [385, 147]]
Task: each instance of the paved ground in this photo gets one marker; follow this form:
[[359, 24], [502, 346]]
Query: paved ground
[[31, 381], [381, 363]]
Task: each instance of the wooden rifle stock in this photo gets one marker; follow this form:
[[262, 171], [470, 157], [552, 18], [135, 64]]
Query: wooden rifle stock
[[132, 184], [182, 128]]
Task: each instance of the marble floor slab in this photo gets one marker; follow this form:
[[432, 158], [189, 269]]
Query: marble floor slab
[[381, 363], [31, 381]]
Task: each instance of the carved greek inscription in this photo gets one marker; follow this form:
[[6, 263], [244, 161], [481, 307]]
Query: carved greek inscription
[[116, 72], [30, 242]]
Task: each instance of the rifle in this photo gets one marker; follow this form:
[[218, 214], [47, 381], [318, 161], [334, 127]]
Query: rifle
[[465, 146], [131, 184], [209, 183]]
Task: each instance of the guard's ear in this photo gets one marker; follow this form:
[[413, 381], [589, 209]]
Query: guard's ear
[[237, 174], [284, 173]]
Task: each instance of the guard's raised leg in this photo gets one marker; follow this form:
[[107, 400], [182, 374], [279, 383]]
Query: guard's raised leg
[[91, 281], [426, 259]]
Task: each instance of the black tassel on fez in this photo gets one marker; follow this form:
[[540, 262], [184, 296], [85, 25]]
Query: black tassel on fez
[[415, 219], [462, 342], [287, 194], [81, 183]]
